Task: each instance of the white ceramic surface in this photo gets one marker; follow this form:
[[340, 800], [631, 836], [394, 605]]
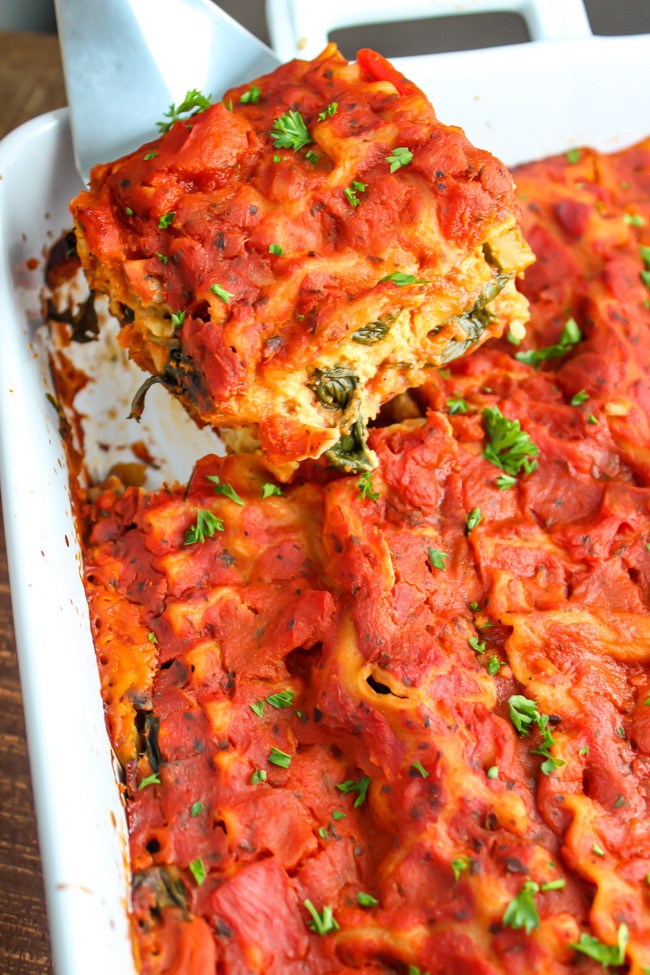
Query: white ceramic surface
[[521, 102]]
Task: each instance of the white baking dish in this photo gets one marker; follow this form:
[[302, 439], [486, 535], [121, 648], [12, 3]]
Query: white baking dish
[[521, 102]]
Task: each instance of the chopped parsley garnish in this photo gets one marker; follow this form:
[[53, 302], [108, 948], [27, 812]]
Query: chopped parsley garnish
[[259, 775], [150, 155], [584, 750], [559, 884], [366, 900], [473, 519], [149, 780], [166, 220], [225, 488], [521, 912], [437, 559], [523, 714], [162, 257], [330, 110], [458, 865], [633, 219], [619, 802], [257, 708], [270, 490], [361, 787], [598, 850], [198, 871], [365, 487], [151, 637], [605, 954], [280, 758], [276, 249], [456, 404], [401, 279], [620, 732], [477, 645], [337, 814], [573, 156], [569, 337], [351, 192], [128, 211], [645, 255], [251, 97], [194, 101], [290, 131], [178, 317], [323, 923], [206, 525], [579, 398], [196, 808], [227, 105], [508, 447], [322, 832], [312, 157], [592, 419], [220, 292], [420, 770], [282, 699], [493, 772], [494, 665], [505, 482], [399, 157]]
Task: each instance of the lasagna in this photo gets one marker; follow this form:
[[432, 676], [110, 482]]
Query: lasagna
[[396, 722], [288, 259]]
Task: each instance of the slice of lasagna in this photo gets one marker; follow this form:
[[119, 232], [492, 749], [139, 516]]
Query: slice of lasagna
[[290, 258]]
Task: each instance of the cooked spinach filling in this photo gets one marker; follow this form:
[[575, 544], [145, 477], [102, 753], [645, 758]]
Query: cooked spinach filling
[[334, 387], [474, 321], [351, 453], [374, 331]]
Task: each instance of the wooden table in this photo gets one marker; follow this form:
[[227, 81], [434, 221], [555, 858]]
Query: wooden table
[[31, 82]]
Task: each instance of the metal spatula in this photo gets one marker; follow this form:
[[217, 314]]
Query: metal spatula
[[126, 61]]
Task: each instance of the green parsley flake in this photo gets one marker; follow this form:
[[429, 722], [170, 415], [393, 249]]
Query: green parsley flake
[[619, 802], [508, 447], [592, 419], [337, 814], [573, 156], [194, 101], [645, 277], [365, 487], [569, 337], [128, 211], [276, 249], [280, 758], [151, 155], [257, 708], [366, 900], [323, 923], [456, 404], [523, 713], [259, 775], [166, 220], [178, 317], [251, 97], [206, 525], [521, 912], [399, 157], [290, 131], [162, 257], [322, 832], [437, 559], [196, 808], [351, 192], [361, 787], [579, 398], [645, 255], [607, 955], [420, 770], [477, 645], [329, 111], [493, 772], [554, 885], [473, 519], [149, 780], [494, 665], [458, 865], [313, 157], [633, 219], [505, 482], [584, 750], [512, 338], [270, 490], [198, 871], [282, 699], [598, 850], [401, 279], [220, 292], [151, 637], [225, 489]]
